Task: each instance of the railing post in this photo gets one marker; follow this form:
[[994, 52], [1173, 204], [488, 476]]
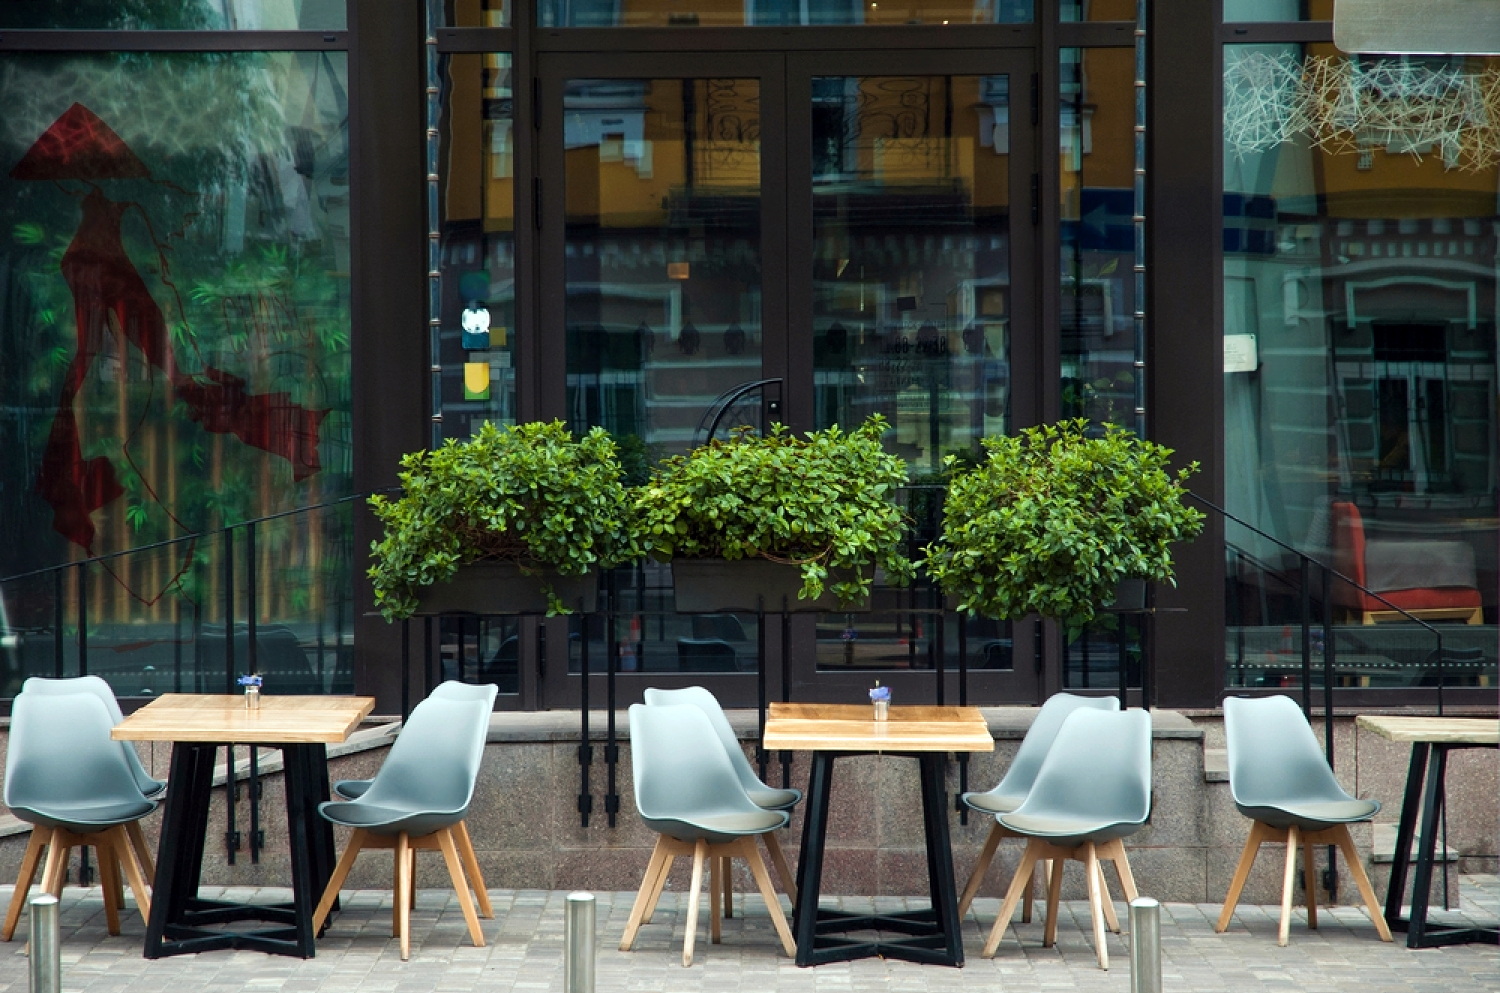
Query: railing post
[[1145, 945], [578, 943], [46, 945]]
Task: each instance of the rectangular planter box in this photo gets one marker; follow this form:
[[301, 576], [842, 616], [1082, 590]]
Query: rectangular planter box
[[716, 586], [501, 588]]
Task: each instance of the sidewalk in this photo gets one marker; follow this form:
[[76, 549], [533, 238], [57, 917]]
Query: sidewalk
[[525, 954]]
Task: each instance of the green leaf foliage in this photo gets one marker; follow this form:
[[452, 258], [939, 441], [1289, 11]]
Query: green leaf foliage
[[823, 501], [529, 494], [1055, 517]]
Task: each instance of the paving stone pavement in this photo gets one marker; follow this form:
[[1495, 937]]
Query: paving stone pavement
[[525, 953]]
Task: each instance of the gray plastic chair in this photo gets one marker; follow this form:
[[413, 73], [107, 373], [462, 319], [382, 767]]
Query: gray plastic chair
[[418, 800], [150, 786], [1280, 779], [1093, 789], [69, 780], [769, 797], [1009, 793], [451, 689], [686, 790]]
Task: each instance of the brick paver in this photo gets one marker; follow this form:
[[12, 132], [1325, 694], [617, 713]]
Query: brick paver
[[525, 954]]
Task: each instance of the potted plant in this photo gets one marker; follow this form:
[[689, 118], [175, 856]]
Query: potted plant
[[1055, 518], [511, 520], [785, 521]]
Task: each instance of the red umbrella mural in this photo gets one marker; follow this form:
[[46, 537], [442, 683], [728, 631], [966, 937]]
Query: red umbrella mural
[[111, 298]]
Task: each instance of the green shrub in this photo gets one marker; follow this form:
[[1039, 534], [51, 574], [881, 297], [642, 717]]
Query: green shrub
[[529, 494], [823, 502], [1055, 517]]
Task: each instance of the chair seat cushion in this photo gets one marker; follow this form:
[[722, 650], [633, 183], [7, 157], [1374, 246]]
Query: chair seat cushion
[[715, 828], [1312, 814], [351, 789], [1064, 830], [83, 817], [992, 803], [381, 819], [772, 798]]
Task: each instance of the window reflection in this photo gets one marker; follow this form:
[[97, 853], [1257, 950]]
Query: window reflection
[[726, 13]]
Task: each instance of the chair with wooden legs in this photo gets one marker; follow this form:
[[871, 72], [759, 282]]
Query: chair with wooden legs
[[762, 795], [151, 787], [1011, 791], [418, 801], [1092, 790], [66, 777], [1280, 779], [686, 790]]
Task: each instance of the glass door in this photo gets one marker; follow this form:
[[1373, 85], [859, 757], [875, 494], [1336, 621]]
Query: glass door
[[912, 296]]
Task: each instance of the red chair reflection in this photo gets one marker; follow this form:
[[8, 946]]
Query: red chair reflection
[[1394, 568]]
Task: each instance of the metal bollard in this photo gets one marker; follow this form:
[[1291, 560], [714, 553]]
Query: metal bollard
[[578, 944], [46, 945], [1145, 945]]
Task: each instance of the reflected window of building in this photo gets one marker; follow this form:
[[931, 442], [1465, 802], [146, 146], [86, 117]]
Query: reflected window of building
[[768, 13], [178, 15]]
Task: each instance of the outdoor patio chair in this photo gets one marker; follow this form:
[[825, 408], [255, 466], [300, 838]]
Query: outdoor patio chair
[[70, 781], [686, 790], [769, 797], [150, 786], [1092, 790], [1013, 787], [1279, 779], [417, 800]]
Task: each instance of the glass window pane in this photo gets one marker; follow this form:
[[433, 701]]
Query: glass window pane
[[1098, 236], [737, 13], [175, 326], [479, 13], [1097, 10], [1360, 347], [1278, 10], [475, 344], [176, 15]]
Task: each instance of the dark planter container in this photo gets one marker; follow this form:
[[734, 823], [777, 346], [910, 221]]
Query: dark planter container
[[1130, 595], [717, 586], [501, 588]]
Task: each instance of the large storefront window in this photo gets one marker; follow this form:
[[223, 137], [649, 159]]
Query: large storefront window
[[774, 13], [1360, 232], [175, 15], [174, 356]]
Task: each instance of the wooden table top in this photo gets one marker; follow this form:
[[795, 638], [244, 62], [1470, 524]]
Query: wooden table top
[[845, 727], [1435, 730], [224, 719]]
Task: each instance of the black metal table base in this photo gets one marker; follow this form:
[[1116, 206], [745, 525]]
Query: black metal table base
[[180, 921], [1424, 789], [931, 936]]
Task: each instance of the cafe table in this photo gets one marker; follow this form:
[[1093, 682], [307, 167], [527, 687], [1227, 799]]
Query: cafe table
[[197, 725], [834, 731], [1431, 738]]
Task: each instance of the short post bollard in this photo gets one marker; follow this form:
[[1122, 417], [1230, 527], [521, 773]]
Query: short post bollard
[[46, 945], [1145, 945], [578, 944]]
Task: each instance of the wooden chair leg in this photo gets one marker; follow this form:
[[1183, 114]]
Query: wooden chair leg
[[1018, 884], [658, 885], [340, 873], [142, 850], [33, 855], [1054, 901], [109, 883], [717, 870], [1028, 902], [726, 888], [1310, 882], [982, 866], [55, 870], [1351, 858], [471, 864], [1258, 834], [1095, 875], [700, 854], [448, 844], [1289, 876], [135, 873], [1106, 905], [645, 898], [763, 879], [783, 870], [404, 885]]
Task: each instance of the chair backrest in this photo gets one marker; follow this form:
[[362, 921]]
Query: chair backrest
[[434, 762], [705, 701], [60, 754], [1019, 778], [101, 689], [1098, 768], [453, 689], [1274, 757], [1348, 541], [679, 766]]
